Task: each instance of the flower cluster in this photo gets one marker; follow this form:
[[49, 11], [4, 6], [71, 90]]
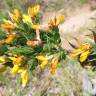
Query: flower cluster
[[86, 54], [52, 61], [28, 43], [83, 51]]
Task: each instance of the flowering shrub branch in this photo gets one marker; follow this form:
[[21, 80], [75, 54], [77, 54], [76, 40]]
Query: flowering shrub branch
[[26, 45]]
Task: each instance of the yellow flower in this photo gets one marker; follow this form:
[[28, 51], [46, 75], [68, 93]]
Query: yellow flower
[[20, 60], [84, 56], [56, 21], [15, 16], [15, 69], [83, 51], [60, 19], [41, 58], [36, 26], [43, 64], [24, 77], [85, 47], [10, 38], [18, 63], [33, 11], [7, 26], [22, 71], [2, 60], [76, 52], [20, 68], [53, 67], [27, 19], [12, 58]]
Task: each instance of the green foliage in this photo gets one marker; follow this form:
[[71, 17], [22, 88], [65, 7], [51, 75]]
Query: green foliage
[[62, 55], [51, 37], [25, 44], [3, 49], [51, 45], [20, 41], [51, 40], [32, 63], [2, 34], [26, 31], [23, 50]]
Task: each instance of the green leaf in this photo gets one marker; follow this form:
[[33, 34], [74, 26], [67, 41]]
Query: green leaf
[[26, 31], [2, 34], [49, 48], [3, 49], [32, 64], [51, 37], [20, 41], [23, 50], [62, 54]]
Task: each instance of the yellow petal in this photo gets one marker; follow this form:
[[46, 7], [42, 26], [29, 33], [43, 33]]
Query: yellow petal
[[36, 27], [36, 8], [85, 47], [15, 69], [2, 68], [56, 21], [20, 60], [10, 39], [24, 77], [12, 58], [17, 12], [21, 69], [52, 23], [2, 59], [26, 19], [41, 58], [15, 15], [8, 26], [33, 11], [54, 64], [60, 19], [43, 64], [76, 53], [84, 56]]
